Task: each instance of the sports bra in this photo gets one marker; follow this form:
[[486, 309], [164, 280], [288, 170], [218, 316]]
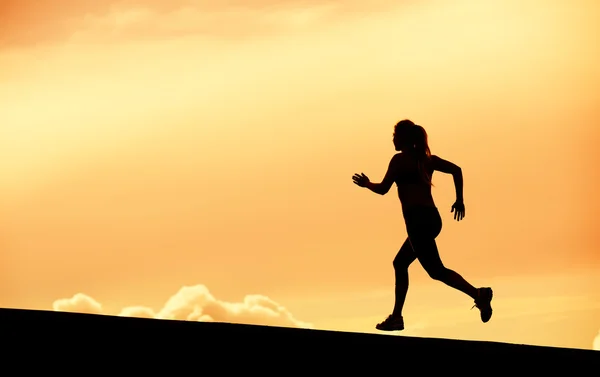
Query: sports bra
[[412, 176]]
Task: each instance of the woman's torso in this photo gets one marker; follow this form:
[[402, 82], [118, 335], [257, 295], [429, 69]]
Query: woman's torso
[[413, 189]]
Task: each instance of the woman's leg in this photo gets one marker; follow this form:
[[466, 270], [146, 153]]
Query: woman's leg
[[403, 259], [427, 252], [424, 227]]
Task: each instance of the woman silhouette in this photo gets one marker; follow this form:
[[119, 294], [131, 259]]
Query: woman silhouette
[[411, 170]]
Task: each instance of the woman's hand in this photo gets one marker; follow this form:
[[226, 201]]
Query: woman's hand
[[361, 179], [459, 210]]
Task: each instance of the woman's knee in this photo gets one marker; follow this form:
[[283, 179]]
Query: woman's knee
[[438, 272], [401, 264]]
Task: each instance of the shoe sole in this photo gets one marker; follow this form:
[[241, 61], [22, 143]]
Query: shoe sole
[[394, 329]]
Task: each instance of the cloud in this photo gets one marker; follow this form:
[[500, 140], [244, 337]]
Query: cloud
[[79, 303], [596, 344], [196, 303], [27, 24], [148, 23]]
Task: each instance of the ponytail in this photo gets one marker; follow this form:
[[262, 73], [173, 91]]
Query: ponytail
[[415, 138], [419, 138], [422, 151]]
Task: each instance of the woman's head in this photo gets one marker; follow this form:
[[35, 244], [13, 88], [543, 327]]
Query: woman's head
[[411, 138]]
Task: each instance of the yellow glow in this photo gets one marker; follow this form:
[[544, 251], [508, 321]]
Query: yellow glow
[[145, 149]]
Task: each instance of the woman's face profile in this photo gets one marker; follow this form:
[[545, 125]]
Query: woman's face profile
[[396, 140]]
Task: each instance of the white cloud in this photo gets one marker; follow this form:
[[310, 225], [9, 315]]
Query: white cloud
[[196, 303], [596, 345], [79, 303]]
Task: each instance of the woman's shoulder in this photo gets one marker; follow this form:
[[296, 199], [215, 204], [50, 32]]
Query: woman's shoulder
[[400, 158]]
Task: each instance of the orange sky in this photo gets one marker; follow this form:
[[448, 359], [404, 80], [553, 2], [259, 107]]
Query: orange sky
[[145, 148]]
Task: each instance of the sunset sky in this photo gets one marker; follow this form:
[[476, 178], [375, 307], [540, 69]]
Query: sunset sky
[[185, 159]]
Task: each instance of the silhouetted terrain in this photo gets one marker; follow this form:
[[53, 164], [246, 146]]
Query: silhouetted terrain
[[70, 343]]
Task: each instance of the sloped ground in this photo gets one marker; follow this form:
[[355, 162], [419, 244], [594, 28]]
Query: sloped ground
[[84, 344]]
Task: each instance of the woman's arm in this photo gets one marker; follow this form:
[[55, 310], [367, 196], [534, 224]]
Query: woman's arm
[[448, 167], [387, 182]]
